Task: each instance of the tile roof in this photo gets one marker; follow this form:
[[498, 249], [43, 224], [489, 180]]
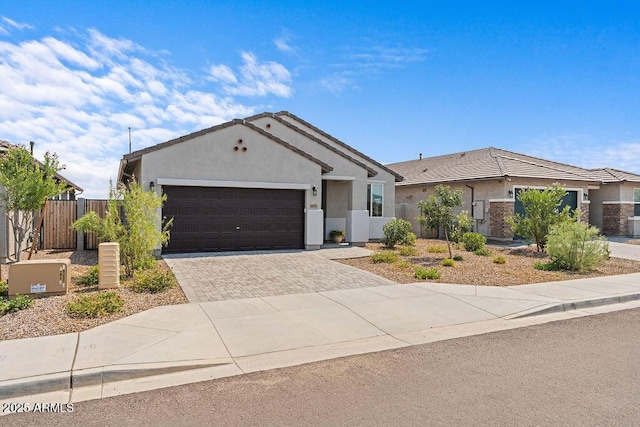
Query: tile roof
[[607, 175], [493, 163]]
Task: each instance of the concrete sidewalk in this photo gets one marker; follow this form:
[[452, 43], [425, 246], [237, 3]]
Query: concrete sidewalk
[[174, 345]]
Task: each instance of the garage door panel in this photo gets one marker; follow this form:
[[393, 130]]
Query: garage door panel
[[226, 219]]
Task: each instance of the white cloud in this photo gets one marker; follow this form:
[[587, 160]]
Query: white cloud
[[366, 63], [338, 82], [282, 43], [255, 78], [585, 151], [77, 98], [223, 74], [16, 25]]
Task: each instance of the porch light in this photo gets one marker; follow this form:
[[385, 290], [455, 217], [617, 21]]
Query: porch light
[[315, 191], [152, 186], [585, 195], [511, 193]]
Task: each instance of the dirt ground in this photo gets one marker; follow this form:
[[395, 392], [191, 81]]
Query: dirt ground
[[481, 270]]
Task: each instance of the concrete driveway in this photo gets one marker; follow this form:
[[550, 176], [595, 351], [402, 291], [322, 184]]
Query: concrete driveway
[[232, 275]]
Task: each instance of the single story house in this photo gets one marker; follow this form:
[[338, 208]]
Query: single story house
[[269, 181], [491, 178], [7, 240]]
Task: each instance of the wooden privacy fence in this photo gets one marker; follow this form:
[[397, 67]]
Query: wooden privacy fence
[[59, 215]]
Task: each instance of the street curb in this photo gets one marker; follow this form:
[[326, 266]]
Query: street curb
[[575, 305], [60, 381], [67, 381]]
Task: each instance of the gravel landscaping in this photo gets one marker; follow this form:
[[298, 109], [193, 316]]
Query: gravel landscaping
[[481, 270], [47, 316]]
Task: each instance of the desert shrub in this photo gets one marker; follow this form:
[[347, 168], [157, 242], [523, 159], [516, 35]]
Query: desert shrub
[[403, 264], [461, 224], [437, 249], [482, 252], [96, 305], [408, 251], [458, 258], [384, 257], [499, 260], [542, 211], [547, 266], [473, 241], [397, 231], [90, 278], [576, 246], [4, 289], [426, 273], [19, 302], [448, 262], [152, 281]]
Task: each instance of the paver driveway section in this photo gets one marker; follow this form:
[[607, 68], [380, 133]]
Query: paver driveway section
[[224, 276]]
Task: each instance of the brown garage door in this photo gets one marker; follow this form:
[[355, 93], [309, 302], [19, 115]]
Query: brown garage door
[[234, 219]]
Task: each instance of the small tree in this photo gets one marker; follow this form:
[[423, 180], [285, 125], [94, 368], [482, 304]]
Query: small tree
[[542, 211], [437, 210], [137, 234], [27, 185]]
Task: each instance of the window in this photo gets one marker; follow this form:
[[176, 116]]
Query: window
[[374, 199], [636, 200]]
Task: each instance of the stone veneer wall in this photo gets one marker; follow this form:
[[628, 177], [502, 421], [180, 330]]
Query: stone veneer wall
[[498, 214], [614, 218], [584, 211]]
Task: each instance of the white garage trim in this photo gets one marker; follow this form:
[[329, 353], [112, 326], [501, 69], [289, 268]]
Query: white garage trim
[[237, 184]]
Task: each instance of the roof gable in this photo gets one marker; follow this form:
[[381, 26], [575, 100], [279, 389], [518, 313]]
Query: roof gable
[[129, 159], [370, 171], [398, 176]]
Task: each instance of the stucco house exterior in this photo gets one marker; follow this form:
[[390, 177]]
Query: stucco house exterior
[[491, 178], [7, 240], [269, 181]]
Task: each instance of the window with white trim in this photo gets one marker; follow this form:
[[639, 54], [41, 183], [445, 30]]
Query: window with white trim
[[374, 199], [636, 200]]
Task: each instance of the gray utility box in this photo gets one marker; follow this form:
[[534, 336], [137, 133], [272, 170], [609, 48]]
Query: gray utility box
[[40, 277]]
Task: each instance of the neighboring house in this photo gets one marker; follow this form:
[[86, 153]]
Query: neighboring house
[[269, 181], [7, 239], [491, 179]]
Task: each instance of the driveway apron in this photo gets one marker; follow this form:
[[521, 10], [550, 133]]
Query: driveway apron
[[226, 276]]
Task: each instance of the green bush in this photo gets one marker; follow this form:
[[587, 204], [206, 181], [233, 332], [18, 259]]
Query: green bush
[[96, 305], [458, 258], [90, 278], [424, 273], [576, 246], [408, 251], [152, 281], [547, 266], [403, 264], [437, 249], [4, 289], [482, 252], [499, 260], [461, 224], [473, 241], [397, 231], [448, 262], [19, 302], [384, 256]]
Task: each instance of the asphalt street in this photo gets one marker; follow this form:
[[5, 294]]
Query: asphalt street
[[583, 371]]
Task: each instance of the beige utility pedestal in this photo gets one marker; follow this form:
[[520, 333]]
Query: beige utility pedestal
[[109, 265]]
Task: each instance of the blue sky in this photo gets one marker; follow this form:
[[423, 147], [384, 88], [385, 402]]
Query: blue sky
[[393, 79]]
